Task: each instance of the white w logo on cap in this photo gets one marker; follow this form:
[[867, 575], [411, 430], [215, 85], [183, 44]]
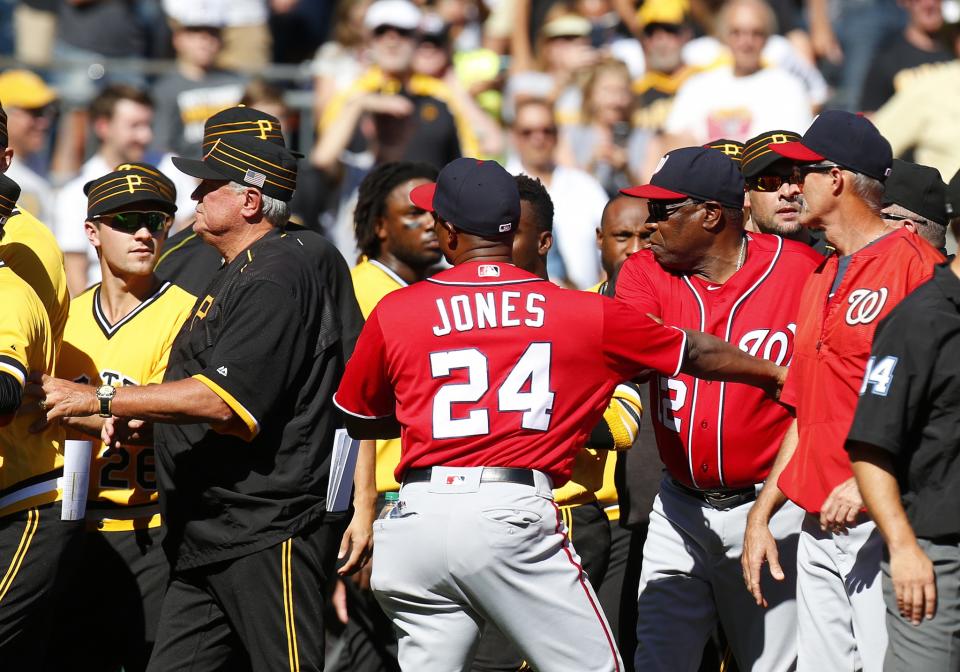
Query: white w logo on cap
[[663, 160]]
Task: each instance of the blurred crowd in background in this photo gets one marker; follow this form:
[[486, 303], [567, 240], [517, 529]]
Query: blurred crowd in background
[[586, 95]]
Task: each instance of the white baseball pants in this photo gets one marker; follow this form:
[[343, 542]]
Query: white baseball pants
[[840, 605], [691, 577], [456, 559]]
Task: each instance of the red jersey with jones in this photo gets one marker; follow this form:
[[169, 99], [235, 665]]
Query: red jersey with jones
[[723, 435], [488, 365], [833, 342]]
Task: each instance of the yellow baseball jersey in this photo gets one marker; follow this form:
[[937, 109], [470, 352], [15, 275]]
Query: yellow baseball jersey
[[371, 282], [29, 248], [30, 464], [592, 477], [134, 351]]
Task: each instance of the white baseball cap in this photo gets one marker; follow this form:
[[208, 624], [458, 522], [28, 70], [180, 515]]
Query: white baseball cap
[[397, 13]]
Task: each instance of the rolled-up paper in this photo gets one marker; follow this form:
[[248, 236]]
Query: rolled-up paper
[[77, 456]]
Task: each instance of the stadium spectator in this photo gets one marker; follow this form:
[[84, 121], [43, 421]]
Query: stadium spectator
[[922, 118], [34, 31], [29, 104], [896, 60], [120, 118], [664, 32], [186, 97], [743, 99], [845, 34], [604, 143], [412, 117], [340, 61], [577, 197]]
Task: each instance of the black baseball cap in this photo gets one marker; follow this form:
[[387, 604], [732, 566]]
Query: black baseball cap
[[919, 189], [167, 187], [4, 138], [123, 189], [243, 120], [269, 167], [732, 148], [758, 155], [694, 172], [9, 193], [478, 197], [953, 196], [847, 139]]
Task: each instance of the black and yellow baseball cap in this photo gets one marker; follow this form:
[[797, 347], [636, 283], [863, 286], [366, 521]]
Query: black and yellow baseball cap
[[167, 187], [757, 154], [269, 167], [9, 193], [243, 120], [732, 148], [124, 189]]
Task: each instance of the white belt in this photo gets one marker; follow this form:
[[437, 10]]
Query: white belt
[[30, 491]]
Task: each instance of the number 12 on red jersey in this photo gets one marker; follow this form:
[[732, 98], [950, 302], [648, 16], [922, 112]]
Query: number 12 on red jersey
[[536, 403]]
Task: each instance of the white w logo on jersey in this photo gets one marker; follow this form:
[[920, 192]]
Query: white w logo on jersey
[[865, 305]]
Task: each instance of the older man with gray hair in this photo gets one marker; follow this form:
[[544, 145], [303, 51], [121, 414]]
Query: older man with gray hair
[[916, 197], [244, 430]]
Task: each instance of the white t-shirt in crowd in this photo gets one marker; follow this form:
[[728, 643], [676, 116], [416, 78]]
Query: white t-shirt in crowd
[[70, 208], [716, 104], [36, 194], [578, 202]]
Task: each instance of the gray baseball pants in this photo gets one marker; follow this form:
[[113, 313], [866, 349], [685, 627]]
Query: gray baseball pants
[[458, 555], [691, 577]]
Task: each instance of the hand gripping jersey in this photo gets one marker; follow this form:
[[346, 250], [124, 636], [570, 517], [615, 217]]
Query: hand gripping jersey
[[30, 464], [723, 435], [834, 334], [487, 365], [133, 351]]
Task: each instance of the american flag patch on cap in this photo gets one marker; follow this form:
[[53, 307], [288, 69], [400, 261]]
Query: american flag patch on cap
[[254, 178]]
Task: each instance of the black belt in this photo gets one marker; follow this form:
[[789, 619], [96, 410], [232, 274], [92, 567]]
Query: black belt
[[490, 475], [721, 500]]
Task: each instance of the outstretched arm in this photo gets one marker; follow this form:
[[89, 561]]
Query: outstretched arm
[[711, 358]]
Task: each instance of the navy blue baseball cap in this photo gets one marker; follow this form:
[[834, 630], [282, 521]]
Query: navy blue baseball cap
[[847, 139], [478, 197], [694, 172]]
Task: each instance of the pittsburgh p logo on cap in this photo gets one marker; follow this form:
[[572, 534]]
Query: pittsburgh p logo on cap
[[126, 188], [242, 120]]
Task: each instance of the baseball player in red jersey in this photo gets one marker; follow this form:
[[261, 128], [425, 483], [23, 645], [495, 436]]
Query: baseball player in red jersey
[[494, 377], [842, 161], [718, 441]]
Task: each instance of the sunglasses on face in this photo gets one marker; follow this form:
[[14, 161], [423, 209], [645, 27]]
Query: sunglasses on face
[[661, 211], [131, 222], [380, 31], [800, 172], [768, 182], [672, 28], [550, 131]]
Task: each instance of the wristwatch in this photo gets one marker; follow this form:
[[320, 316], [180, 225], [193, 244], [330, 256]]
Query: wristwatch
[[105, 395]]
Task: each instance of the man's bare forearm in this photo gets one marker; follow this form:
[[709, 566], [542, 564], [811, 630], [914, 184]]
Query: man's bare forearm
[[365, 476], [771, 497], [881, 494], [180, 402], [711, 358]]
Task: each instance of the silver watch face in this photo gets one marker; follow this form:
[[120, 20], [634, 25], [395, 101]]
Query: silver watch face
[[106, 391]]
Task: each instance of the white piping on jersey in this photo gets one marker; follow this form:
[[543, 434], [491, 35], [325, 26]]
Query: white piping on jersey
[[726, 337], [358, 415], [683, 351], [696, 385], [14, 371], [484, 284], [393, 276], [102, 319]]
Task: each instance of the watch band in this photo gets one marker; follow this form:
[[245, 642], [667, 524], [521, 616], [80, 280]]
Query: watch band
[[105, 407]]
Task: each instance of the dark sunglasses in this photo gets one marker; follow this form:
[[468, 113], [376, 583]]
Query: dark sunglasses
[[671, 28], [546, 130], [380, 31], [768, 182], [800, 172], [131, 222], [661, 211]]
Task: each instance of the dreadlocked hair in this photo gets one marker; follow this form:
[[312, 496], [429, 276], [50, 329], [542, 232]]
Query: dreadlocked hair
[[372, 199]]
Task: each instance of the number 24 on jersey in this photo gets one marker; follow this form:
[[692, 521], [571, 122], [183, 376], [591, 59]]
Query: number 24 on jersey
[[535, 403]]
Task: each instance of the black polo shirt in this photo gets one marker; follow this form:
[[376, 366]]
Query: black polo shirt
[[910, 402], [265, 337]]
